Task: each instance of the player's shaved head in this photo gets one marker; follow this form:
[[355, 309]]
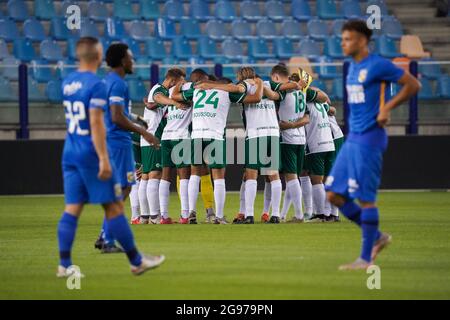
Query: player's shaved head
[[224, 80], [199, 75], [294, 77], [89, 50]]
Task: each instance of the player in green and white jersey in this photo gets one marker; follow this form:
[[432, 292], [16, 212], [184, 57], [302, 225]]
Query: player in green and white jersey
[[319, 155], [338, 139], [210, 111], [154, 115], [293, 116]]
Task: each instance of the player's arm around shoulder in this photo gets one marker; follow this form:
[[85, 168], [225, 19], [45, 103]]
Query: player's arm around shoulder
[[228, 87], [257, 96]]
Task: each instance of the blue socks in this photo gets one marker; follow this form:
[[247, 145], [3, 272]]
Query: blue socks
[[109, 239], [352, 211], [370, 233], [66, 234], [120, 230], [367, 219]]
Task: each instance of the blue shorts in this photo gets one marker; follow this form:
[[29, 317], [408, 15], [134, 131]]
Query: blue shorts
[[123, 159], [356, 173], [81, 185]]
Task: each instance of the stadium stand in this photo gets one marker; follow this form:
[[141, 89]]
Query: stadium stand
[[227, 31]]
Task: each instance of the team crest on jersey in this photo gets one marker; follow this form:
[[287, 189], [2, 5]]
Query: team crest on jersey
[[130, 177], [362, 75]]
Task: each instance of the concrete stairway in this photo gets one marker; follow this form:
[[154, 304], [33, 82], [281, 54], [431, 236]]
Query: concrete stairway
[[418, 17]]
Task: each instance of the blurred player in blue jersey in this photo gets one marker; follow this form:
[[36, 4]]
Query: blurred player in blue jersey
[[119, 125], [357, 171], [89, 175]]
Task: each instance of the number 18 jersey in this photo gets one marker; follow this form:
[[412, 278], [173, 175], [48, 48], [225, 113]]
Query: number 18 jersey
[[81, 92]]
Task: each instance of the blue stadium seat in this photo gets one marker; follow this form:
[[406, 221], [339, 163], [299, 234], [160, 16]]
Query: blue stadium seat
[[337, 92], [65, 67], [4, 52], [392, 28], [174, 10], [8, 30], [332, 48], [44, 9], [381, 4], [193, 64], [284, 48], [227, 71], [309, 49], [33, 30], [444, 87], [430, 71], [225, 11], [301, 10], [65, 4], [53, 91], [97, 11], [190, 28], [149, 10], [292, 29], [181, 48], [336, 26], [163, 70], [23, 50], [114, 29], [140, 30], [144, 72], [58, 29], [275, 10], [11, 72], [88, 28], [217, 30], [137, 90], [251, 11], [327, 9], [318, 29], [50, 50], [242, 30], [41, 71], [134, 46], [318, 83], [259, 49], [327, 71], [199, 10], [207, 48], [123, 9], [6, 91], [106, 42], [35, 93], [71, 48], [351, 9], [165, 29], [17, 10], [266, 29], [232, 49], [386, 47], [155, 49], [426, 92]]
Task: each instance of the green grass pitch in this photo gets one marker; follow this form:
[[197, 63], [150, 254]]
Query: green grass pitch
[[231, 261]]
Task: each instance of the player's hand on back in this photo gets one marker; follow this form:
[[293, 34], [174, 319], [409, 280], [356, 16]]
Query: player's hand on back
[[105, 170], [139, 173], [383, 117]]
